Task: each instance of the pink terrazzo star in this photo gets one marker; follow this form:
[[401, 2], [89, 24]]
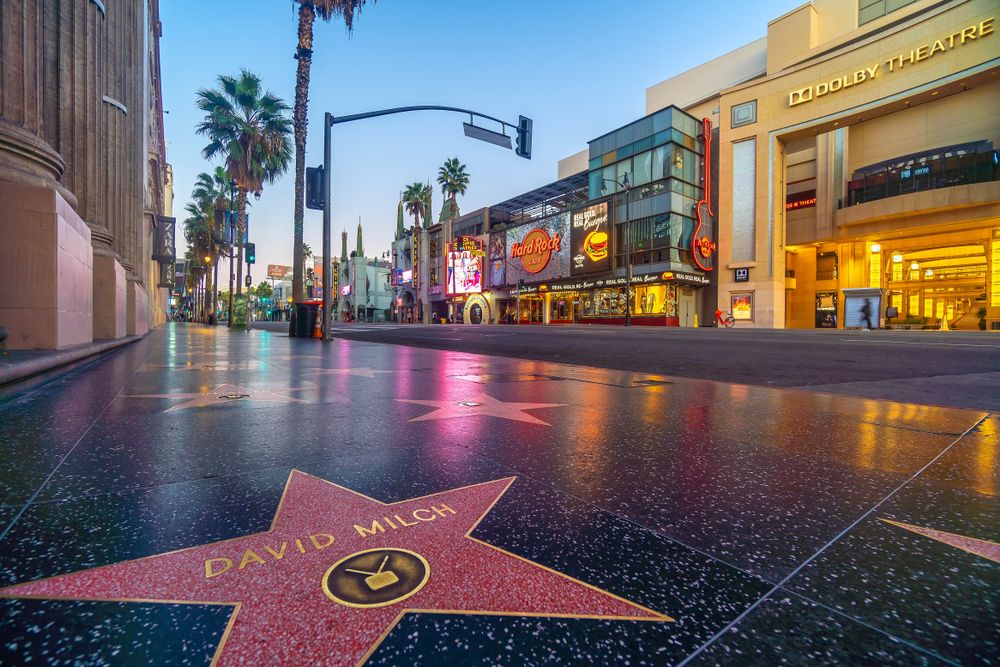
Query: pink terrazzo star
[[277, 581], [223, 394], [480, 405], [983, 548]]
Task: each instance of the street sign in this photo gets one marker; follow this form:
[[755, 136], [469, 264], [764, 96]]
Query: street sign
[[741, 275], [248, 280]]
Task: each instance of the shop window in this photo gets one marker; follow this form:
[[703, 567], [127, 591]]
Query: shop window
[[606, 303], [560, 308], [642, 164], [655, 300]]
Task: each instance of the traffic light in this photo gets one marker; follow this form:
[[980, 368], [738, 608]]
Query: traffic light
[[315, 183], [251, 252], [523, 137]]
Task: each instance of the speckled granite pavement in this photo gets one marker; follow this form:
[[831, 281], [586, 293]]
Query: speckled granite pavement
[[248, 498]]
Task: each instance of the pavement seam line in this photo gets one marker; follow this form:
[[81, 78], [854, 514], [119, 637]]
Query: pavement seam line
[[24, 508], [907, 642], [836, 538]]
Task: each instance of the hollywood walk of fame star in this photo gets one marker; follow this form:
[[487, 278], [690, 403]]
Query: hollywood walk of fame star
[[221, 366], [337, 570], [480, 405], [223, 394], [984, 548], [360, 372]]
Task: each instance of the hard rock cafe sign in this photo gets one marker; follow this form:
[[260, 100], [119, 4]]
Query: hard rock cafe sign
[[536, 250], [702, 247]]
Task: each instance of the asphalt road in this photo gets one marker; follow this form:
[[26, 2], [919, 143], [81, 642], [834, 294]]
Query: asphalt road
[[957, 369]]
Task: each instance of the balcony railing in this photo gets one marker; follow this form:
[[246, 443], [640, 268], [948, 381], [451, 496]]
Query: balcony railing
[[923, 175]]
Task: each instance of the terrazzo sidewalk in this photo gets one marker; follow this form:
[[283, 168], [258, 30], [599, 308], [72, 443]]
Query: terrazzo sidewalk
[[204, 496]]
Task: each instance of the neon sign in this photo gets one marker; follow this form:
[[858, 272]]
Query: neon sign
[[702, 247]]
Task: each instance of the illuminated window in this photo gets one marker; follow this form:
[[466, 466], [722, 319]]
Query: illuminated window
[[995, 271]]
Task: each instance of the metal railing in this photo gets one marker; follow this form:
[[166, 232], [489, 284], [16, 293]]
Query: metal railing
[[924, 175]]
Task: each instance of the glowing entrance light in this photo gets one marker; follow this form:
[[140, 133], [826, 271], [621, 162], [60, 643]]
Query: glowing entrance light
[[876, 248]]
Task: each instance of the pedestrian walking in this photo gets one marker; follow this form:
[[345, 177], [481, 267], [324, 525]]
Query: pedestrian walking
[[866, 314]]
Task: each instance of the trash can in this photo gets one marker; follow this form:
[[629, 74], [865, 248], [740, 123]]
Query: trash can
[[304, 316]]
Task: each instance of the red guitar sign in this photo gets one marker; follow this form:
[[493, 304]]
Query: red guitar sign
[[702, 247]]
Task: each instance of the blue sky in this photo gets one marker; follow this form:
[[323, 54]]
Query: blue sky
[[577, 68]]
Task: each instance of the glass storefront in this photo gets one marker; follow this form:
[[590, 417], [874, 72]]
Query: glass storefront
[[927, 286]]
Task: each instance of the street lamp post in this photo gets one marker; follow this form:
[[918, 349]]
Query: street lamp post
[[627, 233]]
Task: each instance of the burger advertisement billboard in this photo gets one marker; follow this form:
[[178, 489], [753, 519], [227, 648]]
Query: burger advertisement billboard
[[590, 238]]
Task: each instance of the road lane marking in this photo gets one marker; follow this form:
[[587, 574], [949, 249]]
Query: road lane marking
[[906, 342]]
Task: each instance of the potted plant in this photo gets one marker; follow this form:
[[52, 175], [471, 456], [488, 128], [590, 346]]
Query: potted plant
[[981, 313]]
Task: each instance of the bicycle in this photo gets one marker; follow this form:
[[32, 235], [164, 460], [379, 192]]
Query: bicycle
[[724, 319]]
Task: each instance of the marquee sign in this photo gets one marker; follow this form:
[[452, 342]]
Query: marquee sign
[[805, 199], [536, 250]]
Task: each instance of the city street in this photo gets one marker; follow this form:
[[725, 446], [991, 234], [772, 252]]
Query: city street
[[955, 369], [515, 496]]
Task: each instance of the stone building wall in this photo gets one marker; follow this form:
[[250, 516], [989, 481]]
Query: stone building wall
[[73, 120]]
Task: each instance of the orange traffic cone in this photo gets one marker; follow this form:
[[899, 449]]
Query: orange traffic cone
[[318, 331]]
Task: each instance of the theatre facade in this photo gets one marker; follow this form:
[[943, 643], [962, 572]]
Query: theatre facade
[[861, 166]]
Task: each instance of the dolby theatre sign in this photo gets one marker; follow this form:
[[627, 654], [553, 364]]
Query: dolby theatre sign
[[892, 65]]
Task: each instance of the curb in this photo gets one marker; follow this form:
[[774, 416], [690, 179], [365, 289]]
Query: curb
[[15, 371]]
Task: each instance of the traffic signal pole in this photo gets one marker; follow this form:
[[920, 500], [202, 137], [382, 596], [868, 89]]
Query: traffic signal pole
[[327, 264]]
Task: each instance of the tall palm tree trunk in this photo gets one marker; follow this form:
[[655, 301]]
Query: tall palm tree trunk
[[241, 225], [454, 210], [300, 119]]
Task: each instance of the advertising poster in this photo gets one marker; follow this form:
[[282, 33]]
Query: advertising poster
[[279, 271], [742, 306], [498, 259], [591, 240], [826, 310], [540, 251], [465, 266]]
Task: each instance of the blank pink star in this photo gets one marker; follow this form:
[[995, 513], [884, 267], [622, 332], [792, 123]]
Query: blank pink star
[[983, 548], [224, 393], [481, 405]]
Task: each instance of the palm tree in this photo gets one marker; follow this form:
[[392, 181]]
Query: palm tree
[[198, 234], [250, 130], [308, 11], [454, 181], [415, 201], [211, 193]]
